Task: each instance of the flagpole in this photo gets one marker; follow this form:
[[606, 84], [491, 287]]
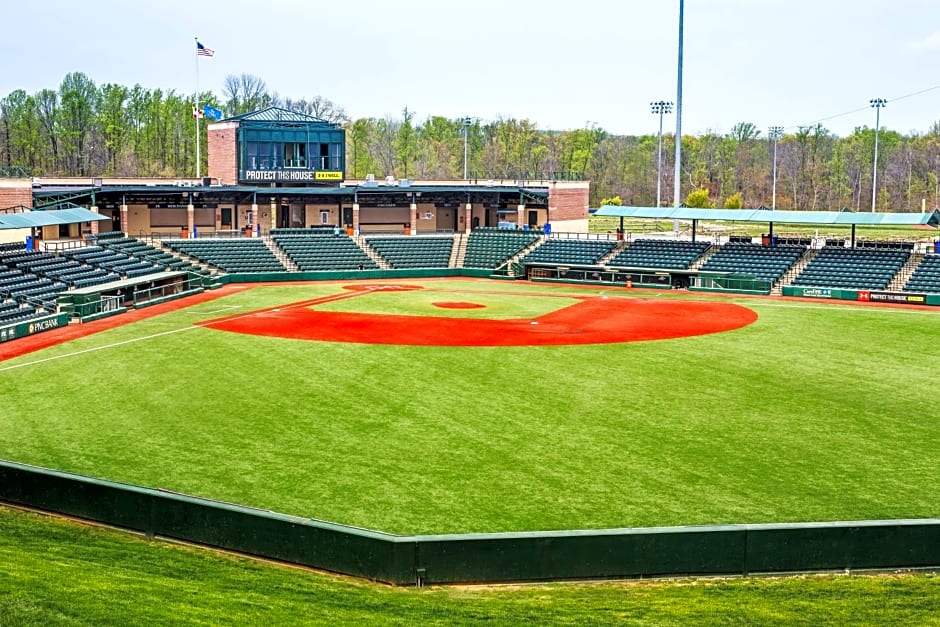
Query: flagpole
[[196, 110]]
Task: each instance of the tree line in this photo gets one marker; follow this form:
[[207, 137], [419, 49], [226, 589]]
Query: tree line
[[85, 129]]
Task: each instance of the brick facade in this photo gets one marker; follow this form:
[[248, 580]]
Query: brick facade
[[568, 201], [14, 192], [223, 159]]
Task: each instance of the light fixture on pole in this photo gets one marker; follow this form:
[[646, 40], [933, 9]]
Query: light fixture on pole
[[466, 131], [677, 189], [877, 103], [659, 108], [775, 133]]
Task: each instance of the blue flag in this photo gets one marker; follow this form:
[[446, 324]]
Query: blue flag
[[212, 112]]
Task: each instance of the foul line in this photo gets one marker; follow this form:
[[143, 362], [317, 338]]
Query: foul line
[[97, 348]]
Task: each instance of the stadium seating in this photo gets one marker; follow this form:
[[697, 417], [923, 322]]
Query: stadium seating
[[112, 261], [146, 253], [489, 247], [317, 249], [762, 262], [926, 277], [852, 268], [12, 312], [570, 251], [230, 255], [660, 254], [414, 252]]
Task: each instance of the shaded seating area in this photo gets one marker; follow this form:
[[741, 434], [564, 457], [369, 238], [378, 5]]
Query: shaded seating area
[[660, 254], [414, 252], [489, 247], [229, 255], [852, 268], [322, 250], [570, 251], [926, 277], [762, 262]]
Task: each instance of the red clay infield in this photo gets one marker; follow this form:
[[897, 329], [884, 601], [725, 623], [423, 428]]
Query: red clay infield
[[592, 320]]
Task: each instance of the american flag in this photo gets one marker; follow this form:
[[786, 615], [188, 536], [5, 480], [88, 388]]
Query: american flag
[[202, 51]]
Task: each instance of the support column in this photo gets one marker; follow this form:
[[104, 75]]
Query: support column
[[520, 216], [94, 223], [254, 219], [274, 213], [124, 219], [190, 221], [413, 217], [469, 218], [355, 224]]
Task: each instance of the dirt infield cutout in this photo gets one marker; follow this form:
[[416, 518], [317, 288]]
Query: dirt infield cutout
[[592, 320]]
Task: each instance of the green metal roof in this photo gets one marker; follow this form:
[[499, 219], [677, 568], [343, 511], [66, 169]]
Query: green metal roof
[[31, 219], [274, 114], [348, 190], [846, 218]]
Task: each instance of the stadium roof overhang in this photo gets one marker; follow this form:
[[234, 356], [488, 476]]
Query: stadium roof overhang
[[34, 219], [136, 192], [841, 218]]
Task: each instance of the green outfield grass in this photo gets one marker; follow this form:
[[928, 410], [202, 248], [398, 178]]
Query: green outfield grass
[[815, 412], [59, 573]]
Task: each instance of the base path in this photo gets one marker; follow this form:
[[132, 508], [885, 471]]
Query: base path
[[592, 320]]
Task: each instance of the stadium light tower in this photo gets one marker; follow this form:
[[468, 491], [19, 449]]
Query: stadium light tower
[[877, 103], [775, 133], [677, 190], [659, 108], [466, 131]]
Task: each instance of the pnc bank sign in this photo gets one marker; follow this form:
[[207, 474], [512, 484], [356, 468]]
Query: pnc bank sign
[[289, 176]]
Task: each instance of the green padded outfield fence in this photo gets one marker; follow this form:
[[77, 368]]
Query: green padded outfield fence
[[485, 557]]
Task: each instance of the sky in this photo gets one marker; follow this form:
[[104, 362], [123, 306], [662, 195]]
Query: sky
[[561, 65]]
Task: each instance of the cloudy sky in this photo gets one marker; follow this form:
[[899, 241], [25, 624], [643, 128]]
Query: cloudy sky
[[561, 65]]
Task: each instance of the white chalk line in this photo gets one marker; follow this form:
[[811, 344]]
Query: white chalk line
[[194, 326], [97, 348]]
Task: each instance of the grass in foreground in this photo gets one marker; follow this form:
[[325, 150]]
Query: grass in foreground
[[815, 412], [54, 572]]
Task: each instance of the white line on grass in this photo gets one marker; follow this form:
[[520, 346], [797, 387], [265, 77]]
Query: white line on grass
[[195, 325], [98, 348]]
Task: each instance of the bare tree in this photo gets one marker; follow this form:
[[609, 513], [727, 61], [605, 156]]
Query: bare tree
[[244, 93], [318, 107]]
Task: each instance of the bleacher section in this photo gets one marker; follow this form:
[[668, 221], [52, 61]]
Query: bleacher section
[[414, 252], [570, 251], [659, 254], [144, 252], [762, 262], [229, 255], [22, 280], [110, 261], [319, 249], [926, 277], [489, 247], [852, 268]]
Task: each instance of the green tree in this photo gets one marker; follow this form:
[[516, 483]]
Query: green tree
[[699, 198], [734, 201]]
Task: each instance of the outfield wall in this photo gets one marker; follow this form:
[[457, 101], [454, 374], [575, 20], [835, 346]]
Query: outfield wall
[[487, 557]]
